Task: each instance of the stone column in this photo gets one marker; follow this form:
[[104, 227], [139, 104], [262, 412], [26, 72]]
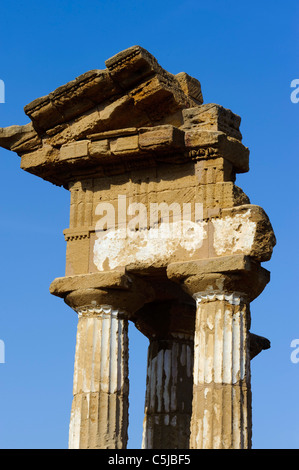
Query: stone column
[[221, 407], [99, 415], [168, 394], [221, 415], [168, 401], [104, 303]]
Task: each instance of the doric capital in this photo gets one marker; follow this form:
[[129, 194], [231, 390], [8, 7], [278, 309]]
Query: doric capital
[[235, 278], [90, 294]]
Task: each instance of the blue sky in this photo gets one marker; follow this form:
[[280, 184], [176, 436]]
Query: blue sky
[[245, 54]]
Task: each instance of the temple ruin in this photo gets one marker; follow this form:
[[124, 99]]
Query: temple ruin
[[159, 235]]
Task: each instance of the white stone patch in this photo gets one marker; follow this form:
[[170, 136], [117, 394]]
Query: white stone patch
[[218, 348], [145, 431], [237, 347], [88, 404], [100, 311], [74, 428], [173, 421], [228, 348], [206, 428], [167, 374], [234, 233], [121, 247], [233, 298]]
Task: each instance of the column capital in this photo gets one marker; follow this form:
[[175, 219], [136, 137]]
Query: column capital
[[101, 293], [234, 278]]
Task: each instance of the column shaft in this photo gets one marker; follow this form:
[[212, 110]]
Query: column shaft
[[221, 414], [168, 393], [99, 415]]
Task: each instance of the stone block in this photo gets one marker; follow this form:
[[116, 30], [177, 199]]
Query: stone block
[[39, 158], [230, 276], [129, 66], [125, 144], [19, 138], [200, 138], [61, 286], [74, 150], [190, 86], [213, 117], [161, 136], [217, 144], [232, 263], [71, 100], [214, 170], [99, 148], [245, 228]]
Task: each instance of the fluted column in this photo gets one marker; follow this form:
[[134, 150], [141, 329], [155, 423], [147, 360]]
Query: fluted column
[[223, 289], [104, 303], [99, 415], [168, 393], [169, 325], [221, 416]]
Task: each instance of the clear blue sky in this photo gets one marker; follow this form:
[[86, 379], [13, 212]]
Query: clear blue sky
[[245, 55]]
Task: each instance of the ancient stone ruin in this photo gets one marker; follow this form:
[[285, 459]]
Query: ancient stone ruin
[[161, 236]]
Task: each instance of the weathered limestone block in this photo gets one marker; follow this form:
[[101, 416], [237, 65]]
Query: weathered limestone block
[[218, 144], [213, 117], [160, 137], [213, 131], [23, 138], [245, 229], [99, 148], [190, 86], [243, 270], [81, 211], [125, 144], [219, 195], [39, 158], [77, 252], [62, 286], [71, 100], [116, 115], [214, 170], [74, 150], [130, 66]]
